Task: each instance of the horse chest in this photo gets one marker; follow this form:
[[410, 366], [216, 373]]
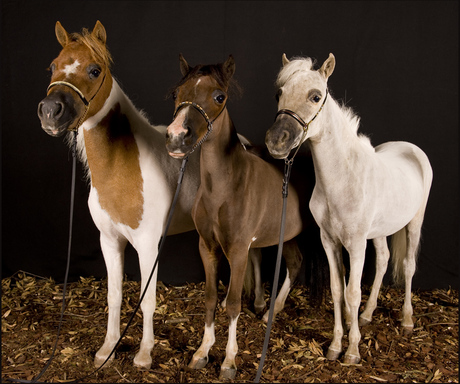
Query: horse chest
[[113, 159]]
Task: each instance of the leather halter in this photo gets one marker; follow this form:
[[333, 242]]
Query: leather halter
[[298, 118], [203, 113], [85, 101]]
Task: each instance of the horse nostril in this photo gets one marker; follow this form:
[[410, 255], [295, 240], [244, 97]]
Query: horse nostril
[[284, 137], [58, 111], [188, 132]]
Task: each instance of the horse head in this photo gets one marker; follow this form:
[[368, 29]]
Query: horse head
[[200, 97], [80, 80], [301, 95]]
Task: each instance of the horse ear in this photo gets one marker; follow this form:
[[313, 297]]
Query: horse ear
[[328, 66], [229, 67], [61, 34], [184, 67], [284, 59], [99, 32]]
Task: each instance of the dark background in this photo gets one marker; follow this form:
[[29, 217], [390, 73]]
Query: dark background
[[397, 66]]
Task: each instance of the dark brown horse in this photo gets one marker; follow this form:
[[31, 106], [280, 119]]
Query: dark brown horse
[[239, 203]]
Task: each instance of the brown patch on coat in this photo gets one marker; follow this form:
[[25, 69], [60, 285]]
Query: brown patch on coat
[[113, 158]]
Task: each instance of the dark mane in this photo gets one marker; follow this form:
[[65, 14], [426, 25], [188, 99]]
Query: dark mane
[[214, 70]]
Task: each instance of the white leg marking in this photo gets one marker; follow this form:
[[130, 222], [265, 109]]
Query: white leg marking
[[200, 357]]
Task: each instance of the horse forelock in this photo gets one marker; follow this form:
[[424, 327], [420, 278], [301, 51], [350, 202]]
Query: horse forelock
[[297, 64], [214, 70], [97, 48]]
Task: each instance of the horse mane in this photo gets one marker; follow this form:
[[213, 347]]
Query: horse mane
[[305, 64], [97, 47], [214, 70]]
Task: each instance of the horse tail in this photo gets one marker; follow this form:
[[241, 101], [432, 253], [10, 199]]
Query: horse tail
[[398, 255]]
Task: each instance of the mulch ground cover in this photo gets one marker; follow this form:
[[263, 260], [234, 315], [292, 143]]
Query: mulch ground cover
[[300, 336]]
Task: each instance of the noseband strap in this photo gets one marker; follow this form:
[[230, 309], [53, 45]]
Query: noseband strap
[[203, 113], [80, 94], [298, 118]]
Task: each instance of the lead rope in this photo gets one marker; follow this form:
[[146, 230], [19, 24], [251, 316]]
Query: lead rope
[[287, 174]]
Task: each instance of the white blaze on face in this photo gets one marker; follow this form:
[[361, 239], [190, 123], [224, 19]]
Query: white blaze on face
[[71, 68]]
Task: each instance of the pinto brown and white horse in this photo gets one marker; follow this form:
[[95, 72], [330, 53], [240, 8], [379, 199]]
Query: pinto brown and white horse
[[239, 203], [132, 177]]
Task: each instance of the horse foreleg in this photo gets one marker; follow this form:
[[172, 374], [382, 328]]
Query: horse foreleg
[[113, 252], [147, 253], [357, 252], [210, 263], [334, 256], [238, 261], [382, 256], [293, 258]]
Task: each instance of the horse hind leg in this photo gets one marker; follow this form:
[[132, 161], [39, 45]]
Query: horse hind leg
[[382, 254], [293, 258], [413, 234], [113, 252], [255, 258]]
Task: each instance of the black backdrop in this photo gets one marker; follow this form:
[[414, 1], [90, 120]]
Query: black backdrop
[[397, 66]]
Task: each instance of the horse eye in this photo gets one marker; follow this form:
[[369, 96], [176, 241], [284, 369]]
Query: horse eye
[[316, 98], [52, 68], [95, 73], [220, 98]]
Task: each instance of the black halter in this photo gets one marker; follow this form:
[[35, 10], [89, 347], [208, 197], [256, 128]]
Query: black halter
[[298, 118], [203, 113]]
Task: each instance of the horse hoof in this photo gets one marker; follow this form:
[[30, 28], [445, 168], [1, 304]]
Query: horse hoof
[[143, 363], [332, 355], [227, 373], [350, 359], [362, 322], [259, 309], [407, 331], [198, 363], [98, 361]]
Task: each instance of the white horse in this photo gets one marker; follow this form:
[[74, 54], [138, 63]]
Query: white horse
[[361, 193]]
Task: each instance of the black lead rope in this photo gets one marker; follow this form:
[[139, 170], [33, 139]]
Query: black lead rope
[[160, 248], [287, 175]]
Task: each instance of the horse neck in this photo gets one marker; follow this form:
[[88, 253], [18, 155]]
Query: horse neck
[[117, 105], [335, 146], [221, 146]]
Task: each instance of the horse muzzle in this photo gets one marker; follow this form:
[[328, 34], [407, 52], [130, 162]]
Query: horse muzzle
[[57, 113], [281, 138]]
